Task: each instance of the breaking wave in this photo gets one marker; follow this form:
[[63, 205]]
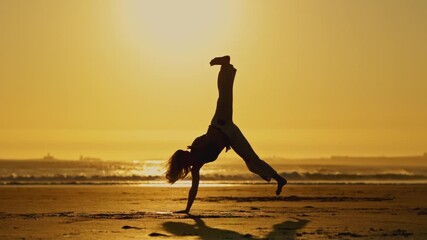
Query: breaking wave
[[134, 179]]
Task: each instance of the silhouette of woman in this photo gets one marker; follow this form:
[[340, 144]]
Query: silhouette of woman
[[222, 133]]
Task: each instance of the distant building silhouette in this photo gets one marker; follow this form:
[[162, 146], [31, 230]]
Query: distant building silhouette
[[48, 157]]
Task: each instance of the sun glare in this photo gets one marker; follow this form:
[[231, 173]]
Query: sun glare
[[179, 20], [173, 27]]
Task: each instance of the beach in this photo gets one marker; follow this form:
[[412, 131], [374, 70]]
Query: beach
[[313, 211]]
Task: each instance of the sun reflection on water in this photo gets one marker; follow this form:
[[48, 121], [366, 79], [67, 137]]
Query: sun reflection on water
[[148, 168]]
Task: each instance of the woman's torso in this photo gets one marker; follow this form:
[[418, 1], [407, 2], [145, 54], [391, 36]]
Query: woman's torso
[[208, 147]]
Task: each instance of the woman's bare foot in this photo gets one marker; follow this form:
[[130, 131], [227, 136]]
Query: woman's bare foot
[[225, 60], [281, 182]]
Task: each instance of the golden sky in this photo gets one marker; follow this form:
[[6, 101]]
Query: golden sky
[[131, 79]]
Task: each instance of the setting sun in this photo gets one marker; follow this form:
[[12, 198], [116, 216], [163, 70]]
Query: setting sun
[[178, 28]]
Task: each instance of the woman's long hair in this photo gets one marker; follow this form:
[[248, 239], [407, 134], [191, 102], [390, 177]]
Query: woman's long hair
[[177, 166]]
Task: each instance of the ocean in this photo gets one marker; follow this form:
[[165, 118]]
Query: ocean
[[151, 172]]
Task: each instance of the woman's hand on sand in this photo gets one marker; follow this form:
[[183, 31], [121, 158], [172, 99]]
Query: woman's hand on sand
[[182, 211]]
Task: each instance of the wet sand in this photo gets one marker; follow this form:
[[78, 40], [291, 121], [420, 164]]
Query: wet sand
[[232, 212]]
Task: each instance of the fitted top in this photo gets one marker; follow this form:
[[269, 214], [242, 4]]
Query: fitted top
[[207, 147]]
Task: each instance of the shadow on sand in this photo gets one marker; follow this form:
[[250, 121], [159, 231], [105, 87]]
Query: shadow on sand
[[284, 230]]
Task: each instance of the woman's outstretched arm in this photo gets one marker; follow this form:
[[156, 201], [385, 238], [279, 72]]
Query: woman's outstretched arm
[[195, 178]]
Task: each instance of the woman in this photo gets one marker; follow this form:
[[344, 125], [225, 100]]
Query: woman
[[222, 133]]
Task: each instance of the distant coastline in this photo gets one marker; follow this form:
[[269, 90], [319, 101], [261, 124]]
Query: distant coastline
[[409, 160]]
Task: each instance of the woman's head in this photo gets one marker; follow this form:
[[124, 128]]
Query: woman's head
[[178, 166]]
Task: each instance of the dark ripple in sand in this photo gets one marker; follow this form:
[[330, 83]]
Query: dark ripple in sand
[[126, 227], [348, 234], [421, 211], [155, 234], [295, 199], [133, 215]]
